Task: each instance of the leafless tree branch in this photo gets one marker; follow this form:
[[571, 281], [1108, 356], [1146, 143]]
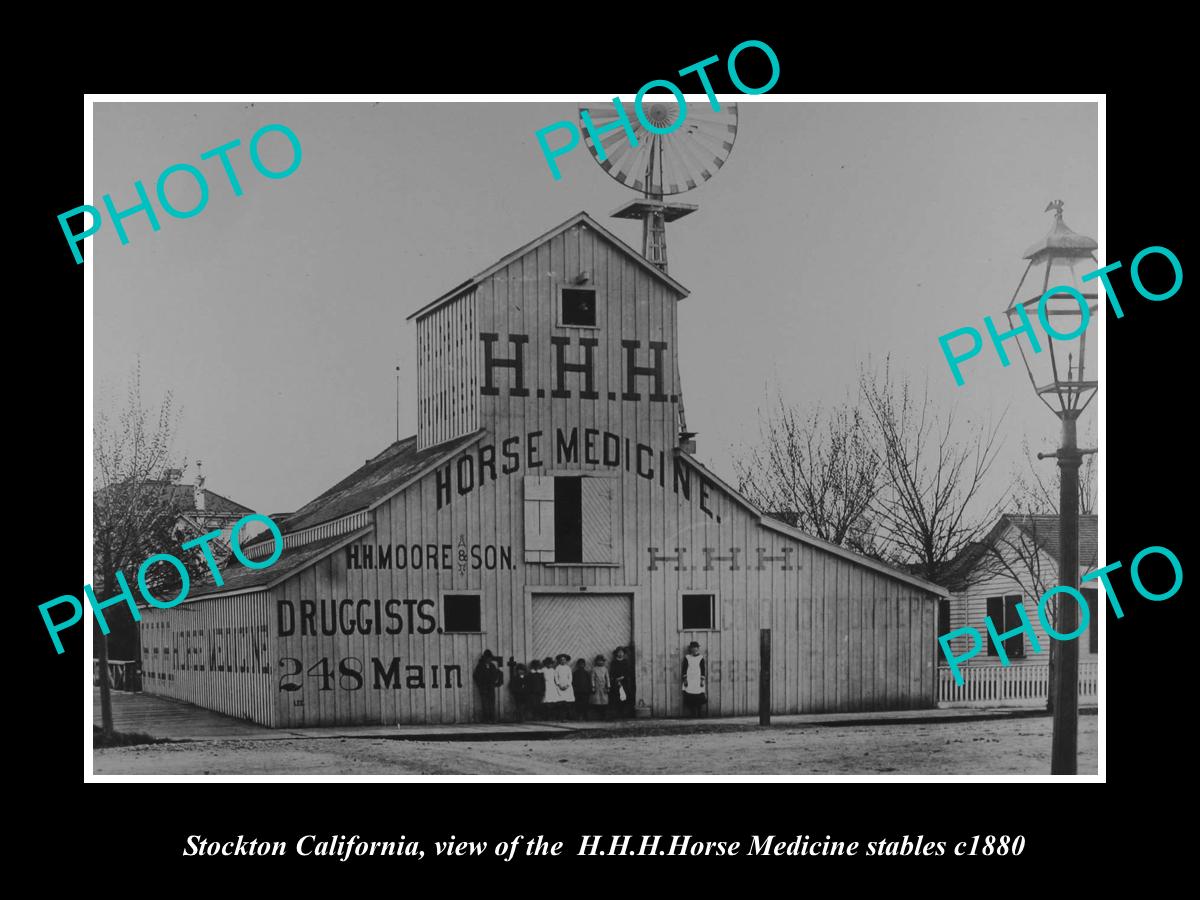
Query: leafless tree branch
[[933, 470], [816, 469]]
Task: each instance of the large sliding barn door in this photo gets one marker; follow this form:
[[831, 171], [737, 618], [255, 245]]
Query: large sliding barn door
[[582, 625]]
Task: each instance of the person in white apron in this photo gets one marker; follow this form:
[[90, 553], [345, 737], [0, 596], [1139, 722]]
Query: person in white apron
[[695, 681]]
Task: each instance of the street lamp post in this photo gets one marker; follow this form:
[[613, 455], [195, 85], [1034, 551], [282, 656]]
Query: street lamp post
[[1064, 305]]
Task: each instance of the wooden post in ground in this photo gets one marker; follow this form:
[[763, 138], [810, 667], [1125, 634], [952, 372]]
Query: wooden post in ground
[[106, 719], [764, 676]]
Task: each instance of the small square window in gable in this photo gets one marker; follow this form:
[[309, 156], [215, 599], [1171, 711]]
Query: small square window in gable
[[579, 307]]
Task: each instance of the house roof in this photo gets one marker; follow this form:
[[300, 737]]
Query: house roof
[[968, 558], [579, 217], [401, 463], [240, 578], [183, 497], [363, 488], [1043, 530]]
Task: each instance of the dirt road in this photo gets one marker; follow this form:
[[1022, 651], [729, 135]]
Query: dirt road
[[1017, 746]]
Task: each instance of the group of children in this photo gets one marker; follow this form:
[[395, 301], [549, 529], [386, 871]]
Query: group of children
[[554, 689]]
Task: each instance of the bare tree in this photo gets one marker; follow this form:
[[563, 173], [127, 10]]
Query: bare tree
[[135, 508], [817, 471], [933, 472], [1034, 509], [1034, 506], [1036, 487], [1020, 553]]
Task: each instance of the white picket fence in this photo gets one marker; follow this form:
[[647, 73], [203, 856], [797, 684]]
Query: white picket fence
[[1023, 685]]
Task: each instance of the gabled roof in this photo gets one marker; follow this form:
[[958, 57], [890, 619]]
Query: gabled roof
[[968, 558], [239, 578], [215, 504], [363, 488], [579, 217], [183, 497], [1043, 530], [783, 528]]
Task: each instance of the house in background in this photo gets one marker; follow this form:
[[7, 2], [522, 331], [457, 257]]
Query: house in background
[[202, 511], [169, 512], [1014, 565]]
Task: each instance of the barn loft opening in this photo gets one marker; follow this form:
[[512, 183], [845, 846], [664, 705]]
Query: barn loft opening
[[579, 307]]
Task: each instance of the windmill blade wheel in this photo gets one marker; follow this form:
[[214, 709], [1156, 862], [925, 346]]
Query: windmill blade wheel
[[662, 164]]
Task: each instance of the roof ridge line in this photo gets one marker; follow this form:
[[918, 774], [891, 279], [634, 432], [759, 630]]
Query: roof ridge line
[[582, 216]]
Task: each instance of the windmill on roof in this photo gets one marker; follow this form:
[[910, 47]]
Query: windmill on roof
[[669, 150]]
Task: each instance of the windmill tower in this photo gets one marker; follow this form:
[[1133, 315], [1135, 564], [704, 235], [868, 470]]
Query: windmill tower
[[672, 150]]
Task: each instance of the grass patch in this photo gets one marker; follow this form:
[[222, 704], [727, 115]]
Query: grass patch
[[121, 738]]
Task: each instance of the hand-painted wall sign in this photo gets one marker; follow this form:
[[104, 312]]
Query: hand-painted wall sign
[[428, 556], [655, 369], [355, 617], [758, 560], [594, 447], [350, 674], [241, 649]]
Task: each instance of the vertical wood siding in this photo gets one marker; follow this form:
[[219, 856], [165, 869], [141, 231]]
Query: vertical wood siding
[[447, 372], [214, 653], [844, 636]]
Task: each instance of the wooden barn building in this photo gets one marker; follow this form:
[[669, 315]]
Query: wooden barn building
[[549, 503]]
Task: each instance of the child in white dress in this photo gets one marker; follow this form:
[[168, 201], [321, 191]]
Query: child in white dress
[[550, 706], [562, 681]]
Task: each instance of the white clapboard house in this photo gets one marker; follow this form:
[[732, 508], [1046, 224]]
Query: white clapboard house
[[1015, 564]]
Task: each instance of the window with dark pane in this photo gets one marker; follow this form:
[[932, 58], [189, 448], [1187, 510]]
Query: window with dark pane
[[943, 616], [1090, 595], [995, 612], [943, 627], [579, 306], [1014, 646], [461, 612], [699, 612]]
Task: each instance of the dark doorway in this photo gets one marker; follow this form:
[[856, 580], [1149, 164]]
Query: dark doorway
[[568, 508]]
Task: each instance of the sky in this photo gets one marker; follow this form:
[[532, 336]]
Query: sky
[[833, 234]]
